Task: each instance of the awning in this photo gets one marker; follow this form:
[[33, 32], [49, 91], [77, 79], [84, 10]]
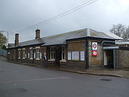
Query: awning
[[111, 47]]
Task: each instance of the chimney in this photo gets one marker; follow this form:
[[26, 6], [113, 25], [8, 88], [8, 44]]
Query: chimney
[[37, 34], [16, 39]]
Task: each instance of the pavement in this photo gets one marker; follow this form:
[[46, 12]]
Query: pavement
[[3, 58], [26, 81], [101, 72]]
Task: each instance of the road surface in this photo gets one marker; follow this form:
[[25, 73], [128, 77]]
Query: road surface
[[25, 81]]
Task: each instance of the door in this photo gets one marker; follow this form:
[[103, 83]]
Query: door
[[108, 58], [58, 55]]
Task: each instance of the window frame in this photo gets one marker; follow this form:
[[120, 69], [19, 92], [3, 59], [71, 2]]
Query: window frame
[[24, 56], [19, 53], [31, 53], [52, 53], [38, 53]]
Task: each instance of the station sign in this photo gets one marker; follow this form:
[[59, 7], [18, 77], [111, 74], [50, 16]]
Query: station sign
[[94, 48], [94, 45], [94, 53]]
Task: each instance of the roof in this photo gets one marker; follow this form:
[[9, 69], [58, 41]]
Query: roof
[[61, 38], [26, 43], [11, 45]]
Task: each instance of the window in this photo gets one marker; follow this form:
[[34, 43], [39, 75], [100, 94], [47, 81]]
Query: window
[[8, 52], [52, 53], [37, 54], [63, 53], [76, 55], [28, 55], [24, 53], [31, 53], [45, 55], [19, 53]]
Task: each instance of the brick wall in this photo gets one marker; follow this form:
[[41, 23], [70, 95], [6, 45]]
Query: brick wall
[[123, 58], [95, 60], [76, 45]]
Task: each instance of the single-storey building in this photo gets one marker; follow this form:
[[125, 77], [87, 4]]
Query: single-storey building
[[85, 48]]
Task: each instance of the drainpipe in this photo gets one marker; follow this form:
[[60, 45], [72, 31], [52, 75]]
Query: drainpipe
[[114, 61], [86, 54]]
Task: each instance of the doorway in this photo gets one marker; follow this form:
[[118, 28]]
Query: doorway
[[108, 59], [58, 53]]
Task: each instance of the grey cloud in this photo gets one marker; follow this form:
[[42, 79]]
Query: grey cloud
[[18, 14]]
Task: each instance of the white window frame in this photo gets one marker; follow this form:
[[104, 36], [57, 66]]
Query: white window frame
[[28, 54], [23, 53], [37, 54], [31, 53], [52, 51], [63, 56]]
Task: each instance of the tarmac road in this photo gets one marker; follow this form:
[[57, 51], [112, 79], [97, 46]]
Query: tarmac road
[[25, 81]]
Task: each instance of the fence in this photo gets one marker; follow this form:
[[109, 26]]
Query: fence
[[3, 52]]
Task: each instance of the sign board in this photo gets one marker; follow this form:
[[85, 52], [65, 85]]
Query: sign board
[[94, 53], [94, 45], [75, 55], [69, 55]]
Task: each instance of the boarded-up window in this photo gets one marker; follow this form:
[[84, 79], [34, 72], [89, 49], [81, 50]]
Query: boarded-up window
[[76, 55]]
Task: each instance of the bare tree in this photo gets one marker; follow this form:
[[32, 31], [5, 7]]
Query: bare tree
[[126, 36], [3, 40], [119, 30]]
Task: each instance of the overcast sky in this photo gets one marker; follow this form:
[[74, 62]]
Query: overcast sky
[[15, 15]]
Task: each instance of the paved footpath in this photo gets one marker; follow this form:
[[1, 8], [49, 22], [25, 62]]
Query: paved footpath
[[24, 81]]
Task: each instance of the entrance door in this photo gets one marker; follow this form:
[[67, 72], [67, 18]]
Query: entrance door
[[108, 58], [58, 55]]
